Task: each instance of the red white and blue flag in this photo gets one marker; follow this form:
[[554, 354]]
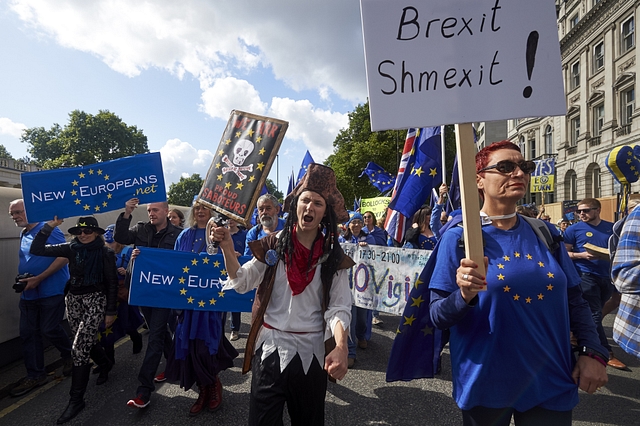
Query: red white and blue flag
[[396, 222]]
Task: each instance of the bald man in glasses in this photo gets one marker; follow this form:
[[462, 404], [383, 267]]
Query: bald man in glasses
[[596, 283]]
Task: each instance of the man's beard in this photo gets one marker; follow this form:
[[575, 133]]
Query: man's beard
[[267, 221]]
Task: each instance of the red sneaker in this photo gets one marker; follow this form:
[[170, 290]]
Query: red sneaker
[[160, 378], [140, 401]]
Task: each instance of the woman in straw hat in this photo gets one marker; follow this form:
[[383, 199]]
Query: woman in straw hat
[[91, 297]]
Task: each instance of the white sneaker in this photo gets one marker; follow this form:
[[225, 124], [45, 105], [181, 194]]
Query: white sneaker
[[377, 321], [234, 336]]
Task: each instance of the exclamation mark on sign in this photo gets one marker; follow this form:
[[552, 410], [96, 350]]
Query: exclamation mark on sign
[[532, 46]]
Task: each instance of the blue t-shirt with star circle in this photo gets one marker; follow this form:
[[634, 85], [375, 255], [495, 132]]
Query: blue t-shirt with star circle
[[512, 349]]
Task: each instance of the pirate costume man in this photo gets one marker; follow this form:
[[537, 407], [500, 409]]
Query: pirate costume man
[[303, 303]]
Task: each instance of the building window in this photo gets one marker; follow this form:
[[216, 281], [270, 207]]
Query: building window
[[598, 56], [595, 2], [573, 21], [532, 149], [548, 140], [571, 185], [628, 33], [575, 75], [575, 130], [595, 182], [598, 119], [628, 102]]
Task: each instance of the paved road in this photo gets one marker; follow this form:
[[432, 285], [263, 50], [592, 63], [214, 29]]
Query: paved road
[[362, 398]]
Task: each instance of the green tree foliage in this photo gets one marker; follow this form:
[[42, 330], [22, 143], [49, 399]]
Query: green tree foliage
[[356, 145], [4, 153], [182, 192], [86, 139], [273, 190]]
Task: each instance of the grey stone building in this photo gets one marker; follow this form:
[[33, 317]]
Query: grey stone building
[[599, 63]]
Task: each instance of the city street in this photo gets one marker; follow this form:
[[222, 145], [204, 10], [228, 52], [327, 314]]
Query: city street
[[362, 398]]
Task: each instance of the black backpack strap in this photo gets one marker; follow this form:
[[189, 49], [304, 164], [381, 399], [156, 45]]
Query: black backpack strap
[[543, 233]]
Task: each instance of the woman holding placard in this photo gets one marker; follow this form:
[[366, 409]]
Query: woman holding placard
[[200, 348], [510, 350]]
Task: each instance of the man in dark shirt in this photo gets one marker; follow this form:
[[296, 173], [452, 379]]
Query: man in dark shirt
[[157, 233]]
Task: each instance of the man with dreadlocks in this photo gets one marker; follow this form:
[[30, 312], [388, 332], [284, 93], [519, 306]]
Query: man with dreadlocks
[[302, 304]]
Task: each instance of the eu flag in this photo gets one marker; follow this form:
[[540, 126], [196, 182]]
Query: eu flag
[[182, 280], [416, 349], [379, 177], [96, 188], [291, 185], [423, 172], [303, 167]]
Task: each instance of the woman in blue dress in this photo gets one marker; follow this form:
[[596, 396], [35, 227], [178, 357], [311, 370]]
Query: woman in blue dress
[[201, 349]]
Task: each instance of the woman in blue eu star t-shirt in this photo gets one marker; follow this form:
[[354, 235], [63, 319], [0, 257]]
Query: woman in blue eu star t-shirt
[[510, 349]]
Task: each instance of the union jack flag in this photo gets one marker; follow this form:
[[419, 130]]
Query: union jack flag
[[396, 223]]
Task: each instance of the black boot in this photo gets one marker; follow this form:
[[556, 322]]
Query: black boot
[[100, 357], [136, 338], [79, 380]]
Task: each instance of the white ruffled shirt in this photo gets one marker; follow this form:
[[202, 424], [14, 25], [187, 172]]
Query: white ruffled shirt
[[291, 315]]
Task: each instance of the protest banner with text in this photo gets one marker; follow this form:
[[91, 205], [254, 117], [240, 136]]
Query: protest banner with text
[[458, 61], [376, 205], [97, 188], [182, 280], [383, 277], [543, 177], [241, 164]]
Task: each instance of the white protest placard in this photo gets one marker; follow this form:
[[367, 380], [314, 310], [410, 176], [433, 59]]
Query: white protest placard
[[383, 277], [434, 62]]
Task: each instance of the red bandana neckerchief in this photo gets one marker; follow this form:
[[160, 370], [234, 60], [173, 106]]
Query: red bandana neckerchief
[[298, 273]]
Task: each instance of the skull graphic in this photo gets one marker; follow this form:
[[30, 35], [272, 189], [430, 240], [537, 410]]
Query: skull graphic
[[241, 151]]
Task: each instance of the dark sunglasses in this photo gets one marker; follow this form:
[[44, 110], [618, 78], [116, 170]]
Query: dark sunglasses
[[507, 166], [579, 211], [83, 231]]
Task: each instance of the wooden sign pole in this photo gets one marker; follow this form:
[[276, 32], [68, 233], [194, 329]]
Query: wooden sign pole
[[465, 146]]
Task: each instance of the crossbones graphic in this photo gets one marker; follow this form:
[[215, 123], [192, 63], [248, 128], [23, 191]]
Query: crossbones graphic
[[235, 169]]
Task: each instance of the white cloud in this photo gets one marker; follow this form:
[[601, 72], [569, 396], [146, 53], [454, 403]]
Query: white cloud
[[8, 127], [308, 45], [180, 158], [228, 94], [317, 128]]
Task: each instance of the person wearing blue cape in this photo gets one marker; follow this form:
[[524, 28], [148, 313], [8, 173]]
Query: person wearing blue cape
[[509, 329], [201, 349]]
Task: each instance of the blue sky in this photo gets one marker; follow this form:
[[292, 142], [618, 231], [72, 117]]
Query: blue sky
[[176, 70]]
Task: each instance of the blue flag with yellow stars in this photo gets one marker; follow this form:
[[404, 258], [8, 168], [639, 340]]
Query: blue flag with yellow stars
[[416, 349], [97, 188], [422, 172], [308, 159], [183, 280], [379, 177]]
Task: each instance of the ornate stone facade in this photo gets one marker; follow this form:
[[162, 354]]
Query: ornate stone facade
[[598, 47]]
